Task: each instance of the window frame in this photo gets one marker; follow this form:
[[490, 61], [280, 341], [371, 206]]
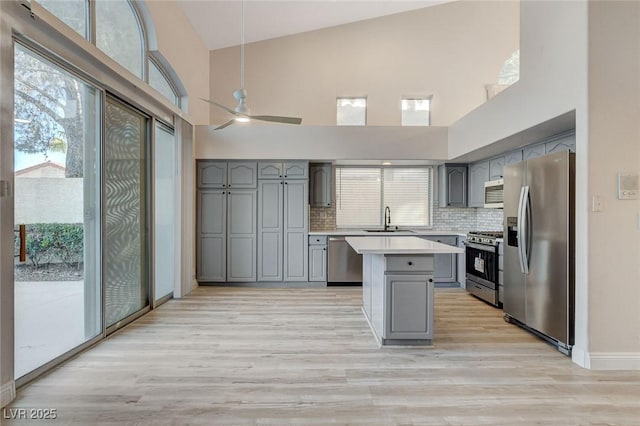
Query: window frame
[[416, 98], [366, 102], [430, 192]]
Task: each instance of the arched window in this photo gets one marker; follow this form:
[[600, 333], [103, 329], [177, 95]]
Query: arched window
[[510, 72], [117, 28], [119, 34]]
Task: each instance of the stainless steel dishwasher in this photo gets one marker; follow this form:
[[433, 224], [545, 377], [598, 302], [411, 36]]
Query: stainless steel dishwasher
[[345, 265]]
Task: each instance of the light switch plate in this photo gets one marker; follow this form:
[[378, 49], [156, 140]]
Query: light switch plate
[[628, 186]]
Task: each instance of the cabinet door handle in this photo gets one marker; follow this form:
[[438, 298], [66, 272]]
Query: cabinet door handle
[[223, 185], [430, 280], [410, 263], [285, 175], [286, 183]]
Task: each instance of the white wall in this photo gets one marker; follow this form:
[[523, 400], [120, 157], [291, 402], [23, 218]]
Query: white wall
[[449, 51], [614, 146], [49, 200], [185, 51], [322, 142], [552, 77]]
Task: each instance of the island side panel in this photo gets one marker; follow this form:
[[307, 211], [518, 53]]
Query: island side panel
[[366, 285], [378, 296]]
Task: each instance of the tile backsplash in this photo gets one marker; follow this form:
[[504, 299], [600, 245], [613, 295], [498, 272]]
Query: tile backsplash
[[444, 219], [322, 218], [465, 220]]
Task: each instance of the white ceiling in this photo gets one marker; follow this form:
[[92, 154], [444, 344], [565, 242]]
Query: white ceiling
[[218, 22]]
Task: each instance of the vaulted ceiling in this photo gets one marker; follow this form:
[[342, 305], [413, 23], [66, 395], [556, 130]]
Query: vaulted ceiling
[[219, 22]]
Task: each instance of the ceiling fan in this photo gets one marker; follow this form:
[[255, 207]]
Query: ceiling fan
[[241, 112]]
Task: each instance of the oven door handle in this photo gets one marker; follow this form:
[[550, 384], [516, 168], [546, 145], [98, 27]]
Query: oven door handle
[[490, 249]]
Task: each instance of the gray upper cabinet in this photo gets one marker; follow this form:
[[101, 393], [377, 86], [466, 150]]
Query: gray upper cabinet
[[478, 175], [241, 235], [270, 227], [212, 228], [513, 157], [270, 170], [296, 170], [242, 175], [452, 185], [533, 151], [212, 174], [296, 228], [320, 183], [566, 143], [495, 168]]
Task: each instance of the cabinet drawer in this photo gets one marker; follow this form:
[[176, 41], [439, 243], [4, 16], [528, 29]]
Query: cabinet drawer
[[409, 263], [317, 240]]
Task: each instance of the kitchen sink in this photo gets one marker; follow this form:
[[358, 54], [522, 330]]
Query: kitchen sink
[[388, 230]]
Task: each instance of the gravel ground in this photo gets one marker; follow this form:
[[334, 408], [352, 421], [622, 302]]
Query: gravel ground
[[49, 272]]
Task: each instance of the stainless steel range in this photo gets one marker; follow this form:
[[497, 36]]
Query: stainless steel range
[[482, 265]]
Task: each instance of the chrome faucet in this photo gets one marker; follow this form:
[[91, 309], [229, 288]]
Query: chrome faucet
[[387, 218]]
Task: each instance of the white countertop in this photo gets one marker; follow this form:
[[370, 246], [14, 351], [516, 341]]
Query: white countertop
[[362, 232], [398, 245]]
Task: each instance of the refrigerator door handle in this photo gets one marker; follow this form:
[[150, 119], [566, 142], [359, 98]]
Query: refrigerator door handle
[[525, 230], [520, 225]]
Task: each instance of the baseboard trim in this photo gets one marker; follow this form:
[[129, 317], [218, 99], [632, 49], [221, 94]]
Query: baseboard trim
[[580, 357], [614, 360], [7, 393]]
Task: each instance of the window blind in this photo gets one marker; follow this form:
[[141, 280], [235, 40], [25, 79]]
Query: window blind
[[362, 193]]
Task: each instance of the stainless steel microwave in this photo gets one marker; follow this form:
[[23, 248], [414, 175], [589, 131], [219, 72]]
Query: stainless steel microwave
[[494, 194]]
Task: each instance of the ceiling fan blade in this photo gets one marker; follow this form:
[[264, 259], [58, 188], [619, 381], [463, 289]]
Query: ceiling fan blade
[[228, 123], [277, 119], [229, 110]]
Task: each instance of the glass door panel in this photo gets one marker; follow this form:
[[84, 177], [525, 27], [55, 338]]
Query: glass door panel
[[125, 204], [165, 178], [56, 211]]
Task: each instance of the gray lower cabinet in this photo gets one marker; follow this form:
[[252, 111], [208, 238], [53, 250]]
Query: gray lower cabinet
[[212, 235], [478, 175], [241, 235], [397, 297], [283, 230], [446, 269], [410, 302], [318, 258]]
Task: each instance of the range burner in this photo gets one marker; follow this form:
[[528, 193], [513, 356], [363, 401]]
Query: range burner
[[485, 237]]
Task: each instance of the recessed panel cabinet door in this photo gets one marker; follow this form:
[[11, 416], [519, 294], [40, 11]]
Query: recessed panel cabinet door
[[296, 228], [296, 170], [241, 241], [212, 235], [212, 174], [242, 175], [320, 177], [318, 263], [478, 175], [270, 225]]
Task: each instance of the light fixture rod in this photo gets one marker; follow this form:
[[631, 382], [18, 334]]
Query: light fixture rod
[[242, 47]]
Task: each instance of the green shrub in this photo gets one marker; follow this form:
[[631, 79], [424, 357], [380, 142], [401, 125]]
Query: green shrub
[[47, 242]]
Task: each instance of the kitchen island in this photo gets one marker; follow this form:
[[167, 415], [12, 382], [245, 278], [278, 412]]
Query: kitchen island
[[397, 286]]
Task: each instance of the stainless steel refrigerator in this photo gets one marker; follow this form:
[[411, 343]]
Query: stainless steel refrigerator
[[539, 246]]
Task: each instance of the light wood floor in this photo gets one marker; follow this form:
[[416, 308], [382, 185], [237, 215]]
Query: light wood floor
[[233, 356]]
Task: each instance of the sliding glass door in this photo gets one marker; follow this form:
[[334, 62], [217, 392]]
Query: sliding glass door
[[165, 211], [125, 212], [57, 288]]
